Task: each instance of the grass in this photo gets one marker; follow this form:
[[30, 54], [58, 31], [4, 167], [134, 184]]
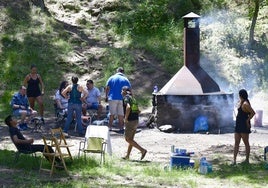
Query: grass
[[118, 173]]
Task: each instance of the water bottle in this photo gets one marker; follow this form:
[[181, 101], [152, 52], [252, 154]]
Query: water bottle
[[155, 89], [203, 166], [172, 148]]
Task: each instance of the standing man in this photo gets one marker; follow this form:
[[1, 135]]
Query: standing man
[[20, 107], [93, 100], [114, 97]]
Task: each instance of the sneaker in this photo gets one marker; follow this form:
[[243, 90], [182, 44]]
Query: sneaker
[[121, 131], [24, 126], [42, 119], [66, 135], [81, 135]]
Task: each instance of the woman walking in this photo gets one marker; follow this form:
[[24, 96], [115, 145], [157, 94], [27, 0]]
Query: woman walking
[[131, 122]]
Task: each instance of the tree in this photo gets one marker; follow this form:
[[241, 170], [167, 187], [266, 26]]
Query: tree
[[253, 22]]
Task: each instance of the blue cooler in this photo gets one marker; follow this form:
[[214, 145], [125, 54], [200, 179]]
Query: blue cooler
[[179, 160]]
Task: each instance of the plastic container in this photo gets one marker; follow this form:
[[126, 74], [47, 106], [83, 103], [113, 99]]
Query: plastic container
[[179, 161], [204, 167], [258, 118]]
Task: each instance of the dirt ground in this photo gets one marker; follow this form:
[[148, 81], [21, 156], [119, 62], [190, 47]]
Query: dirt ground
[[158, 144]]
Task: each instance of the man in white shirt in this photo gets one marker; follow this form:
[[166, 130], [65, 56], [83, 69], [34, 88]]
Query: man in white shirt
[[93, 100]]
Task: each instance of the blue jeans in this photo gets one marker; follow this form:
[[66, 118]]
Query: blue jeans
[[77, 108]]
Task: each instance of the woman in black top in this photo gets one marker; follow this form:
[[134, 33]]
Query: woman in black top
[[35, 90], [242, 125]]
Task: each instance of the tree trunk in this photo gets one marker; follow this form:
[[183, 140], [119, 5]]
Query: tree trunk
[[253, 23]]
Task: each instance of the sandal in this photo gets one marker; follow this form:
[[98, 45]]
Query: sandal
[[125, 158], [143, 154]]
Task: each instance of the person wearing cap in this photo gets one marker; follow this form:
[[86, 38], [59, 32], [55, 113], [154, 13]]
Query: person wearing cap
[[131, 122], [114, 97], [21, 108]]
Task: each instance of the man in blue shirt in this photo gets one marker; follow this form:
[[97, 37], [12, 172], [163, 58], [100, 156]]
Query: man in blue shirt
[[114, 97], [20, 107], [93, 99]]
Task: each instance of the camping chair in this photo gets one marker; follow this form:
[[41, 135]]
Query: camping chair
[[93, 145], [92, 114], [51, 157], [59, 115], [19, 152], [37, 122], [265, 152], [58, 134]]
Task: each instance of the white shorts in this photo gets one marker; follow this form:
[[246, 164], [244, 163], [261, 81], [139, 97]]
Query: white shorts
[[116, 107]]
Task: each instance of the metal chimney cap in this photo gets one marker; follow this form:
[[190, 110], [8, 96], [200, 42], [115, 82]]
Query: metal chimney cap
[[191, 15]]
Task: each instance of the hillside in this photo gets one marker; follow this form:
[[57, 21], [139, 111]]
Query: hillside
[[79, 37]]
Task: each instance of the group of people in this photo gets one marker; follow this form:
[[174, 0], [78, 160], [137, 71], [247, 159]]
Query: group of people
[[75, 100], [118, 90], [23, 104]]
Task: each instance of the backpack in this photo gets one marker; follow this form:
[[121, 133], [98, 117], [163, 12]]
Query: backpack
[[134, 105]]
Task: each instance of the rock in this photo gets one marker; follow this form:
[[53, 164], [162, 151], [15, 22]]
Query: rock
[[167, 128]]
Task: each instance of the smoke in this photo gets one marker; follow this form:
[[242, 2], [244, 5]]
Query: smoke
[[226, 57]]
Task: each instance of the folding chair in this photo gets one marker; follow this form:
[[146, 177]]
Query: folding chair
[[58, 134], [93, 145], [52, 157]]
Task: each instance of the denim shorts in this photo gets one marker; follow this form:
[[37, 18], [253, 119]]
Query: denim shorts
[[18, 112], [94, 106]]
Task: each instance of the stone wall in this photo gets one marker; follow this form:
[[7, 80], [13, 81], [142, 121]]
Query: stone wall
[[182, 111]]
